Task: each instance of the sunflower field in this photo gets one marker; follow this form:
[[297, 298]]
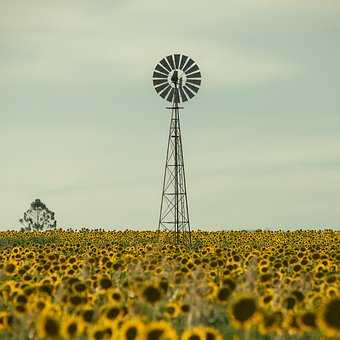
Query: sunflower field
[[95, 284]]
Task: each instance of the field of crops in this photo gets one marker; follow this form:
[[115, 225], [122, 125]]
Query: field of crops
[[130, 285]]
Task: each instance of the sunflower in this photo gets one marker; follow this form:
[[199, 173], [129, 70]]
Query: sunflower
[[112, 312], [164, 284], [308, 321], [101, 331], [152, 294], [115, 295], [212, 333], [329, 318], [133, 329], [88, 314], [201, 333], [211, 290], [71, 327], [266, 299], [39, 302], [79, 287], [291, 324], [11, 322], [185, 308], [105, 282], [289, 302], [10, 267], [271, 322], [76, 300], [160, 330], [172, 310], [331, 292], [229, 282], [20, 309], [21, 299], [243, 311], [196, 333], [48, 326], [223, 293]]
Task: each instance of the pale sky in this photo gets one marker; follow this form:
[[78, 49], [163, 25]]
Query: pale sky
[[82, 128]]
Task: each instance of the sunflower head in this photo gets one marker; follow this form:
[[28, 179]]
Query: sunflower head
[[105, 282], [308, 321], [115, 295], [10, 267], [112, 312], [101, 331], [223, 294], [243, 311], [88, 314], [329, 318], [196, 333], [49, 326], [132, 329], [271, 322], [71, 327], [160, 330], [152, 294]]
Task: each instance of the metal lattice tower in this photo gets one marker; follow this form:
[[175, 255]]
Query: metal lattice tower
[[176, 78]]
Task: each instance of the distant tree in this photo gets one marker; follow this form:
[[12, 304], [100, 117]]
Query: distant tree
[[38, 217]]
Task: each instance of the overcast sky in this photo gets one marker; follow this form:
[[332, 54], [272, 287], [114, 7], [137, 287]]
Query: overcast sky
[[82, 128]]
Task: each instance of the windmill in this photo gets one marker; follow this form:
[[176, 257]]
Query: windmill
[[177, 79]]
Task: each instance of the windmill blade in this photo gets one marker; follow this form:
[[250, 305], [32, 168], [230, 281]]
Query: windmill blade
[[165, 92], [171, 95], [165, 64], [183, 95], [177, 57], [192, 69], [162, 87], [159, 75], [183, 61], [193, 88], [161, 69], [188, 64], [194, 81], [188, 92], [194, 75], [157, 82], [170, 61]]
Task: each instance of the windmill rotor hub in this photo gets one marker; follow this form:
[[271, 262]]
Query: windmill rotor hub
[[177, 78]]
